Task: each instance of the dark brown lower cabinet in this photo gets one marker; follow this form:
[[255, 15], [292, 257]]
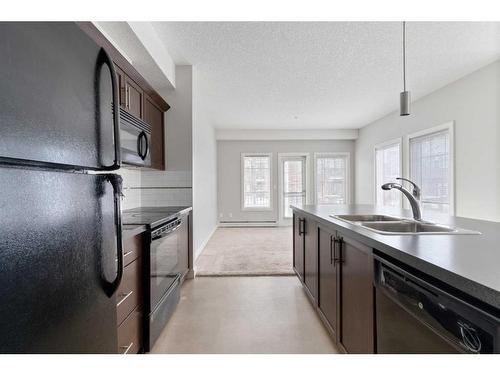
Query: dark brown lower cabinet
[[337, 272], [356, 297], [298, 245], [329, 275], [130, 333], [311, 257], [129, 298]]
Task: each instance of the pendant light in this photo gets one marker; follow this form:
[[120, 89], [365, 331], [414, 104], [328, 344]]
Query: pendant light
[[404, 97]]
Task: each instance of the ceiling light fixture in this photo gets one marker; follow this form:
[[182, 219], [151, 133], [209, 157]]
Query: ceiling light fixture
[[404, 97]]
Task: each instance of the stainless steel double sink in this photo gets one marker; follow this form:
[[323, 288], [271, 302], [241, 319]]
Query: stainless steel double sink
[[391, 225]]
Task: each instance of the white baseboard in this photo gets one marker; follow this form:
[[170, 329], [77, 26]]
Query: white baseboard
[[203, 244]]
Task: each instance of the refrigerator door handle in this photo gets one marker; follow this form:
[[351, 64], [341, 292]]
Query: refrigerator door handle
[[106, 59], [116, 181]]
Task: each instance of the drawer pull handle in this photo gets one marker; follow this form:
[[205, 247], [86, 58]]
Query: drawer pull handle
[[124, 255], [125, 296], [127, 348]]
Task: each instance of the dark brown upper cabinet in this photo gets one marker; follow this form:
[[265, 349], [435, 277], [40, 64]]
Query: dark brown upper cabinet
[[329, 277], [154, 116], [134, 97], [120, 75], [298, 245], [135, 101], [356, 296]]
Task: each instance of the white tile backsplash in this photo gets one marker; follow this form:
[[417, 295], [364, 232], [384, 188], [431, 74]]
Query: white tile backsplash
[[156, 188], [131, 177], [167, 197], [131, 188], [166, 179]]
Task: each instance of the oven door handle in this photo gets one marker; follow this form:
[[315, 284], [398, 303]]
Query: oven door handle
[[166, 233]]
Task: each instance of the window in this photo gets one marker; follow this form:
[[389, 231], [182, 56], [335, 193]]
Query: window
[[431, 167], [256, 181], [387, 168], [331, 178]]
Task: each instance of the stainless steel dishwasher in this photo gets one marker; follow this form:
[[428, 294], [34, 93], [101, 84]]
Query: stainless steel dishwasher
[[415, 316]]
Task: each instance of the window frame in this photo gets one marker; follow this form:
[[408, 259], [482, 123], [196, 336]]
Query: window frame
[[348, 187], [450, 127], [242, 181], [383, 145]]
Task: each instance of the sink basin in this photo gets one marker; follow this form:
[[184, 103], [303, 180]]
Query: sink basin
[[407, 227], [413, 227], [384, 224], [364, 218]]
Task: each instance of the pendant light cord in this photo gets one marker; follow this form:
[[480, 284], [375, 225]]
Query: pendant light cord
[[404, 56]]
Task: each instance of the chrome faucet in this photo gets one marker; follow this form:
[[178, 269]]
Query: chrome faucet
[[413, 197], [416, 189]]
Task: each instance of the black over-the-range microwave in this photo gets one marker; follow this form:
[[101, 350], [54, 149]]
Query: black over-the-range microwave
[[135, 139]]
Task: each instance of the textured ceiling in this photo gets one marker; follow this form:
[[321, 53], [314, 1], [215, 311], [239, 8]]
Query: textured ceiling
[[280, 75]]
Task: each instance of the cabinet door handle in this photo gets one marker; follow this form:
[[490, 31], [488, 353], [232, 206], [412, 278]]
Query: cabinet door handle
[[127, 348], [125, 296], [301, 227], [332, 250], [338, 257]]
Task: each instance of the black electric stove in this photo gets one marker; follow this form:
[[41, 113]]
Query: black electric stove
[[152, 216], [166, 262]]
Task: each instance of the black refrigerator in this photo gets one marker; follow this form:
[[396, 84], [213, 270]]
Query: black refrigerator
[[60, 223]]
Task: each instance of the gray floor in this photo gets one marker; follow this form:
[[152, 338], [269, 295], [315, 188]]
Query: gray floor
[[247, 251], [244, 315]]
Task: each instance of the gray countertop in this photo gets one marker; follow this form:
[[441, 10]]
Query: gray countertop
[[131, 230], [470, 263]]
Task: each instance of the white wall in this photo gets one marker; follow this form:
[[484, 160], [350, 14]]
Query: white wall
[[179, 122], [229, 172], [204, 172], [473, 102]]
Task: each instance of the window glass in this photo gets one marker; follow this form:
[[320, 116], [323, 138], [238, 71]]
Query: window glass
[[257, 181], [294, 191], [331, 179], [430, 169], [387, 168]]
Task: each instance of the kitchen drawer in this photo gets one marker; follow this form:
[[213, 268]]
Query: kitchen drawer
[[129, 294], [130, 333], [132, 249]]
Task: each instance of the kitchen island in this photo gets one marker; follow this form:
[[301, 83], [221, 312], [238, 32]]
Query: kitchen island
[[336, 261]]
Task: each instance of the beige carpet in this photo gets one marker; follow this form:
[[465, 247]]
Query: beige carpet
[[247, 251]]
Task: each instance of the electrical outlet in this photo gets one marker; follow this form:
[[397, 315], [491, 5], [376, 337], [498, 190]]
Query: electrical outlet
[[230, 215]]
